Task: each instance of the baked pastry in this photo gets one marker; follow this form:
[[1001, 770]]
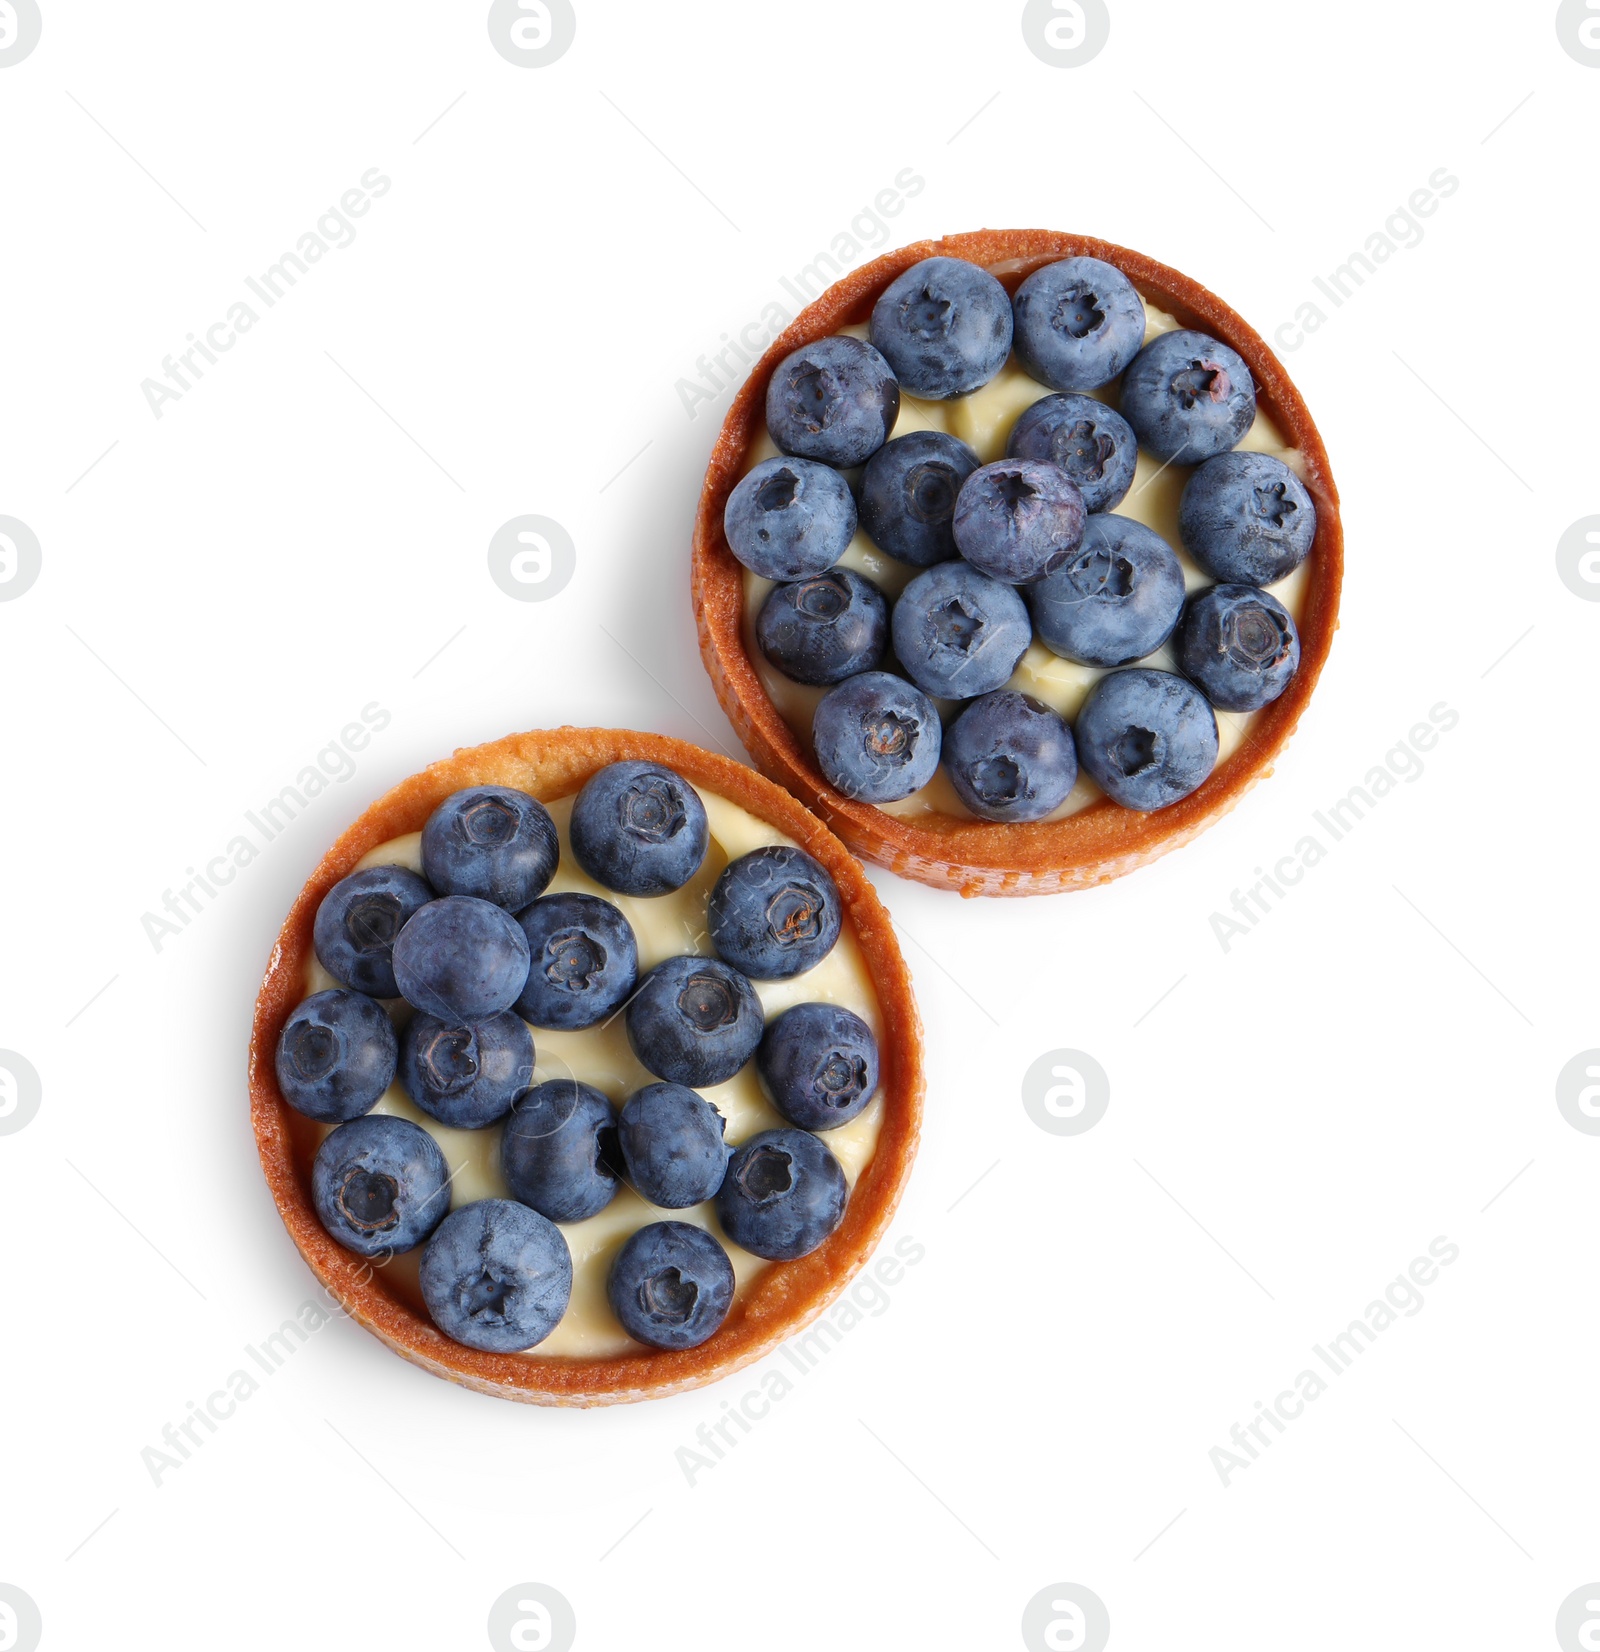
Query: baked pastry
[[1224, 733], [367, 1216]]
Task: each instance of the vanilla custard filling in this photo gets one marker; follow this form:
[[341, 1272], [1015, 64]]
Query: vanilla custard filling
[[665, 927], [983, 421]]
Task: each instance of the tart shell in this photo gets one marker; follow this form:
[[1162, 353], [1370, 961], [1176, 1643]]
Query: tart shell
[[1102, 841], [773, 1306]]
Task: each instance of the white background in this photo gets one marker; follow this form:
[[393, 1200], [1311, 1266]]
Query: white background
[[1292, 1123]]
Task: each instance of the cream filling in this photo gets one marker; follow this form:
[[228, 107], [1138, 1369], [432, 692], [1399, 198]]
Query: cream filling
[[665, 926], [983, 421]]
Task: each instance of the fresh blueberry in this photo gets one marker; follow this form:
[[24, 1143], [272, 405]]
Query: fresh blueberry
[[876, 737], [497, 1276], [1091, 442], [774, 913], [1018, 519], [1010, 757], [558, 1150], [957, 632], [908, 495], [1188, 397], [380, 1184], [1247, 519], [671, 1140], [1146, 738], [1079, 323], [336, 1055], [639, 828], [835, 401], [461, 959], [492, 842], [1117, 600], [694, 1021], [783, 1195], [819, 1063], [1239, 644], [583, 961], [671, 1285], [822, 630], [466, 1076], [790, 518], [357, 923], [944, 326]]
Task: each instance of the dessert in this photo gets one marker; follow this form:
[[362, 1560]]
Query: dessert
[[539, 1152], [1067, 464]]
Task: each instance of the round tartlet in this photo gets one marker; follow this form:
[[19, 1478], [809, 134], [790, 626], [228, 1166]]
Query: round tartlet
[[553, 764], [1102, 841]]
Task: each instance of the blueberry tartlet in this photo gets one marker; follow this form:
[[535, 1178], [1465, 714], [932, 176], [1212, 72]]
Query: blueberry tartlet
[[586, 1068], [1018, 559]]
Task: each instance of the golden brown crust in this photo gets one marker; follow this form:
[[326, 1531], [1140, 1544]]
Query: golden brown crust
[[552, 764], [975, 857]]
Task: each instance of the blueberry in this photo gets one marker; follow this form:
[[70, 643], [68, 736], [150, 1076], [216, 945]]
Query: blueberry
[[583, 961], [819, 1064], [558, 1150], [944, 326], [876, 738], [639, 828], [1018, 519], [1247, 519], [957, 632], [357, 923], [1078, 323], [774, 913], [835, 400], [1146, 738], [783, 1195], [466, 1076], [1091, 442], [671, 1285], [492, 842], [790, 518], [694, 1021], [497, 1276], [380, 1184], [461, 959], [671, 1140], [908, 495], [336, 1055], [822, 630], [1010, 757], [1239, 644], [1188, 397], [1117, 600]]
